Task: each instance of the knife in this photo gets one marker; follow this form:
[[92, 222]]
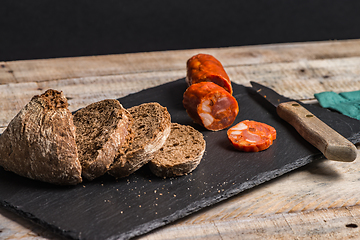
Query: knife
[[333, 145]]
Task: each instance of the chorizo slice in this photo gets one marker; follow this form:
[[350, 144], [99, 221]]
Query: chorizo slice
[[206, 68], [210, 105], [251, 136]]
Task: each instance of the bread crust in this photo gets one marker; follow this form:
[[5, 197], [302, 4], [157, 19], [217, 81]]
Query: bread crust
[[39, 143], [181, 153], [102, 134], [135, 156]]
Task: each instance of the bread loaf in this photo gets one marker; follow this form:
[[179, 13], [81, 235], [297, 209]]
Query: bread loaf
[[152, 124], [46, 142], [39, 143], [101, 129], [181, 153]]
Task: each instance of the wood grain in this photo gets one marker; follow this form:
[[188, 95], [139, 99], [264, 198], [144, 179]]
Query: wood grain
[[294, 70], [327, 140], [340, 223], [286, 78], [317, 201], [61, 68], [317, 186]]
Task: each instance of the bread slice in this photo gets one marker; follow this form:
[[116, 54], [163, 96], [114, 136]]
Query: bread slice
[[101, 129], [152, 124], [181, 153], [39, 142]]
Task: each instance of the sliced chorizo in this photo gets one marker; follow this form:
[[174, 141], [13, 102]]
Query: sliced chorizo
[[251, 136], [210, 105], [206, 68]]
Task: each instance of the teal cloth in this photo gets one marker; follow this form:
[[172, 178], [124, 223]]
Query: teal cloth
[[347, 103]]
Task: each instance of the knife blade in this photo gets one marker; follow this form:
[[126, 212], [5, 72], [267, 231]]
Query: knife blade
[[333, 145]]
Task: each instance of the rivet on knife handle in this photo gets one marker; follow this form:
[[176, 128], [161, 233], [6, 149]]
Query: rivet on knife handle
[[327, 140]]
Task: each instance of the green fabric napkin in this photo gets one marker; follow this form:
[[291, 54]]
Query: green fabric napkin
[[347, 103]]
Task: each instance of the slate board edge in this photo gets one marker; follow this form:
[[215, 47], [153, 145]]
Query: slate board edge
[[199, 205], [30, 217], [192, 208], [195, 206], [206, 202]]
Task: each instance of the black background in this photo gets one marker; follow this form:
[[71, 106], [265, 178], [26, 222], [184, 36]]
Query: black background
[[48, 29]]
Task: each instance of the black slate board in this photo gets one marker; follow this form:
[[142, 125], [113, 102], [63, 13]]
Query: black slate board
[[120, 209]]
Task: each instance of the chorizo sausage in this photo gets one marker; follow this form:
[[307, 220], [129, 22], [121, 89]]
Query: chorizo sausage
[[210, 105], [206, 68], [251, 136]]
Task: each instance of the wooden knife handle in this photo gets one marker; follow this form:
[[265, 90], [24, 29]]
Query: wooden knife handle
[[327, 140]]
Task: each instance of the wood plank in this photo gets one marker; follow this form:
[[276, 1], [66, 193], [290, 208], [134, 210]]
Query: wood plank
[[322, 188], [340, 223], [64, 68], [298, 80], [316, 201], [6, 74], [317, 186], [79, 91]]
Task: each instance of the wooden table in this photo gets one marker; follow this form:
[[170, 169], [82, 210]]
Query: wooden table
[[318, 201]]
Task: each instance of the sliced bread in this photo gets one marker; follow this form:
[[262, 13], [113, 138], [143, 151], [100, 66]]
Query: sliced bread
[[181, 153], [152, 124], [101, 129], [39, 143]]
